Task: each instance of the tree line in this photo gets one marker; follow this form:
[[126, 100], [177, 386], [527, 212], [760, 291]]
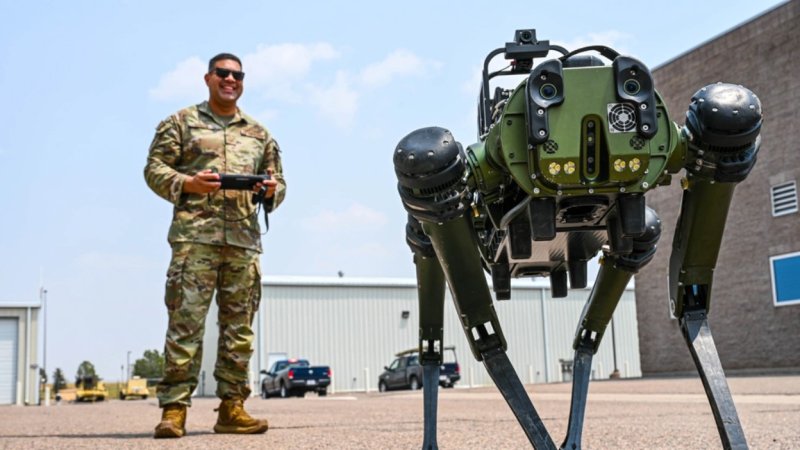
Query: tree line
[[150, 365]]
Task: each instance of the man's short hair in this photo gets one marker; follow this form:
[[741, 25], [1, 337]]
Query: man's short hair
[[220, 57]]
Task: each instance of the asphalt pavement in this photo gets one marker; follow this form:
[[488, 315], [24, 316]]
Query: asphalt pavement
[[651, 413]]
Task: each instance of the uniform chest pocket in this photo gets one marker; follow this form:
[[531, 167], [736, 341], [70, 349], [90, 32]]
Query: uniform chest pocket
[[204, 141], [250, 144]]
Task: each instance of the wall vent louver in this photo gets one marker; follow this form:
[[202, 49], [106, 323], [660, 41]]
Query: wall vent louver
[[784, 198]]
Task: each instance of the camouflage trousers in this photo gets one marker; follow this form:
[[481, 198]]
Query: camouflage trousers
[[195, 272]]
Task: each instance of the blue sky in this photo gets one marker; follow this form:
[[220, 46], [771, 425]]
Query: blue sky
[[337, 83]]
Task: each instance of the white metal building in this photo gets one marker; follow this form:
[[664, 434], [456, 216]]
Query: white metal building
[[356, 325], [19, 325]]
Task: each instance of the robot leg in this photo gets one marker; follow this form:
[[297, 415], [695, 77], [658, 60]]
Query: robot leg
[[458, 253], [430, 168], [430, 288], [695, 249], [615, 273], [723, 125]]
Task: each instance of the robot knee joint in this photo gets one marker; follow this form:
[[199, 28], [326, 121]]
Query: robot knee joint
[[644, 246]]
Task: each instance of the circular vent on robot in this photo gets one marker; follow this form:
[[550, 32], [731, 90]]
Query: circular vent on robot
[[621, 118], [637, 143]]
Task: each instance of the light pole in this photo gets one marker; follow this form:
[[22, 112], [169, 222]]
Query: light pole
[[43, 298], [129, 366], [615, 374]]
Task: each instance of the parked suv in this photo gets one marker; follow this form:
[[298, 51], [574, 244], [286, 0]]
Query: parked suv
[[405, 372]]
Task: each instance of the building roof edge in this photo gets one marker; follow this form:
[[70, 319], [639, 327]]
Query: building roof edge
[[8, 305], [303, 280]]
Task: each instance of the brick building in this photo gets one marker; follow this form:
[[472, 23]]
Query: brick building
[[754, 327]]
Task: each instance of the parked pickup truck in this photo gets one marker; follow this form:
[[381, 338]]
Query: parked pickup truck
[[405, 372], [295, 377]]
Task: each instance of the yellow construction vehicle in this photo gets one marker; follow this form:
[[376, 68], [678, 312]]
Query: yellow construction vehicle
[[90, 388], [135, 387]]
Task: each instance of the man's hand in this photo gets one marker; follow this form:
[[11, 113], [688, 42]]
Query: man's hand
[[202, 183], [270, 184]]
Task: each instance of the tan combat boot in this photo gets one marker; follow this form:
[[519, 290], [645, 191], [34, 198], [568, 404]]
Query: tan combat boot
[[234, 419], [173, 422]]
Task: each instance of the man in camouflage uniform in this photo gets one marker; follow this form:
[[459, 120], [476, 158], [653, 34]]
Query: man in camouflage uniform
[[216, 242]]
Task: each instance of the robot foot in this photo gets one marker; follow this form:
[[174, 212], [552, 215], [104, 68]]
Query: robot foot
[[507, 381], [697, 334], [430, 393], [581, 374]]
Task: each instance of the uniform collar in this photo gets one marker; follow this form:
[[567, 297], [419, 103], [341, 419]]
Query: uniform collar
[[206, 110]]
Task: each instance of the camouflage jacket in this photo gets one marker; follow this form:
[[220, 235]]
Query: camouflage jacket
[[190, 141]]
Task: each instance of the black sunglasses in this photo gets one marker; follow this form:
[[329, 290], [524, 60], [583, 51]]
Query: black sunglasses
[[223, 73]]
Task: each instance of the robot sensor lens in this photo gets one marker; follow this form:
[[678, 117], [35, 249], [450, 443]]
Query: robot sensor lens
[[632, 87], [548, 91], [526, 36]]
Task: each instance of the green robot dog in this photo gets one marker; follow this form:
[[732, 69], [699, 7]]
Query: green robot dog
[[559, 173]]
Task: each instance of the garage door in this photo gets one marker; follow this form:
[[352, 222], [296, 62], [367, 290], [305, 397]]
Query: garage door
[[8, 360]]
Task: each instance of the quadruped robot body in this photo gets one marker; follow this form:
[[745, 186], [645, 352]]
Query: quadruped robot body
[[559, 174]]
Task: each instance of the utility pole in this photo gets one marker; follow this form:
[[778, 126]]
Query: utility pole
[[129, 366]]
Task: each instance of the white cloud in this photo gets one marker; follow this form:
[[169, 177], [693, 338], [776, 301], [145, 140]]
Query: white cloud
[[274, 71], [283, 73], [356, 215], [400, 62], [337, 102], [184, 82]]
